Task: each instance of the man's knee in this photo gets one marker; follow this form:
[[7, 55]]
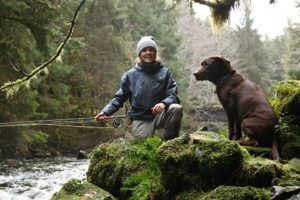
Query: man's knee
[[142, 129], [175, 108]]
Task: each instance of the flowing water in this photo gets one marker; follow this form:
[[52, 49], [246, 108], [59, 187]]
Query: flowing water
[[38, 179]]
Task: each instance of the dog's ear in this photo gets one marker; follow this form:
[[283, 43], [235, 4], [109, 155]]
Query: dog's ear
[[224, 61]]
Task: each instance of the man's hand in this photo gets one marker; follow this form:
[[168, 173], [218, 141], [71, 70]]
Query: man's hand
[[100, 117], [158, 108]]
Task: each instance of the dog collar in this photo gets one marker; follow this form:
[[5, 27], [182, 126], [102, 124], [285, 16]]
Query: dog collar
[[226, 76]]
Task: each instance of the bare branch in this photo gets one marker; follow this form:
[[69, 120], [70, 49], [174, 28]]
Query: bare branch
[[17, 68], [44, 65]]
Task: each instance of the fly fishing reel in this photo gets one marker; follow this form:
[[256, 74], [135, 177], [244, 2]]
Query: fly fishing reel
[[117, 123]]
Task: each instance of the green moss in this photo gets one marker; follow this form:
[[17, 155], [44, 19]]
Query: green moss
[[260, 172], [265, 152], [210, 162], [110, 167], [291, 176], [295, 164], [76, 189], [237, 193], [75, 186], [189, 195], [287, 108]]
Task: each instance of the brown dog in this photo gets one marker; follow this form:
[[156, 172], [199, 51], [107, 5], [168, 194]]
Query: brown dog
[[246, 106]]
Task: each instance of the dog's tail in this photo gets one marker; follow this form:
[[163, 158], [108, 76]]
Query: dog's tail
[[275, 143]]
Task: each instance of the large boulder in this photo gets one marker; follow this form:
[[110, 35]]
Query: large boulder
[[204, 163], [78, 189], [110, 167], [287, 108], [187, 167]]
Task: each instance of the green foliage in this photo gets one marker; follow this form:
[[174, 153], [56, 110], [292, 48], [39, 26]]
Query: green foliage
[[252, 53], [237, 193], [146, 154], [75, 186], [37, 137], [76, 189], [287, 108]]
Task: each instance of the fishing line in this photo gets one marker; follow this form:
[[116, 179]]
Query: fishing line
[[117, 122]]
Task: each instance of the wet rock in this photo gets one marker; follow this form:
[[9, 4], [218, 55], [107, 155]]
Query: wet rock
[[295, 197], [282, 193], [12, 162], [40, 153], [79, 189], [203, 128], [82, 155]]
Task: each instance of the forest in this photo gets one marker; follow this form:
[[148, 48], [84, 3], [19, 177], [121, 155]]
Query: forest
[[63, 59], [86, 74]]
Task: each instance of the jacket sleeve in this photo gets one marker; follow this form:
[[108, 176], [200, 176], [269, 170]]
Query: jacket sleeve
[[119, 98], [171, 90]]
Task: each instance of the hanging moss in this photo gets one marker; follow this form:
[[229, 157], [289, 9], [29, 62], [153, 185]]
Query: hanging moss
[[220, 11]]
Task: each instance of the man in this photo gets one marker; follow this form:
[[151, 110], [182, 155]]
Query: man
[[152, 93]]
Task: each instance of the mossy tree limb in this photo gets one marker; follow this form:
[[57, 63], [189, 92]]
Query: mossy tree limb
[[13, 87], [220, 9]]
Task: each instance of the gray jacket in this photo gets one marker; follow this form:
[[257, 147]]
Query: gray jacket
[[144, 86]]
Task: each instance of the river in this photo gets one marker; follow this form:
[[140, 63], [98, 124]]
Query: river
[[38, 179]]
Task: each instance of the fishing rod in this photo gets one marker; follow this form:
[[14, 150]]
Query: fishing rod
[[117, 122]]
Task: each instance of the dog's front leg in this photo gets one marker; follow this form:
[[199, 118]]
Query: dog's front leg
[[230, 129], [231, 122], [238, 130], [230, 118]]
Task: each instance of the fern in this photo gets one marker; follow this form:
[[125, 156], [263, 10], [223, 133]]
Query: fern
[[146, 154]]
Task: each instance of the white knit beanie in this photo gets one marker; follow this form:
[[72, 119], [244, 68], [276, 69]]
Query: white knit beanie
[[146, 41]]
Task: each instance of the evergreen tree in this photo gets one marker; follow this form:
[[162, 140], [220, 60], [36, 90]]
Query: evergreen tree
[[292, 57], [251, 53]]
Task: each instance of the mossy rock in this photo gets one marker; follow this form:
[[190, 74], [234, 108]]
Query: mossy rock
[[291, 176], [287, 108], [265, 152], [237, 193], [260, 172], [288, 98], [290, 145], [110, 167], [211, 161], [76, 189]]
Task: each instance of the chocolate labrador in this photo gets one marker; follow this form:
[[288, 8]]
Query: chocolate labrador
[[246, 106]]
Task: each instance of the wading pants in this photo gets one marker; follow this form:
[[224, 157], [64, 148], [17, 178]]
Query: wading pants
[[169, 119]]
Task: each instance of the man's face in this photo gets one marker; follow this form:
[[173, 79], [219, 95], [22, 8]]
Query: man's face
[[148, 55]]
